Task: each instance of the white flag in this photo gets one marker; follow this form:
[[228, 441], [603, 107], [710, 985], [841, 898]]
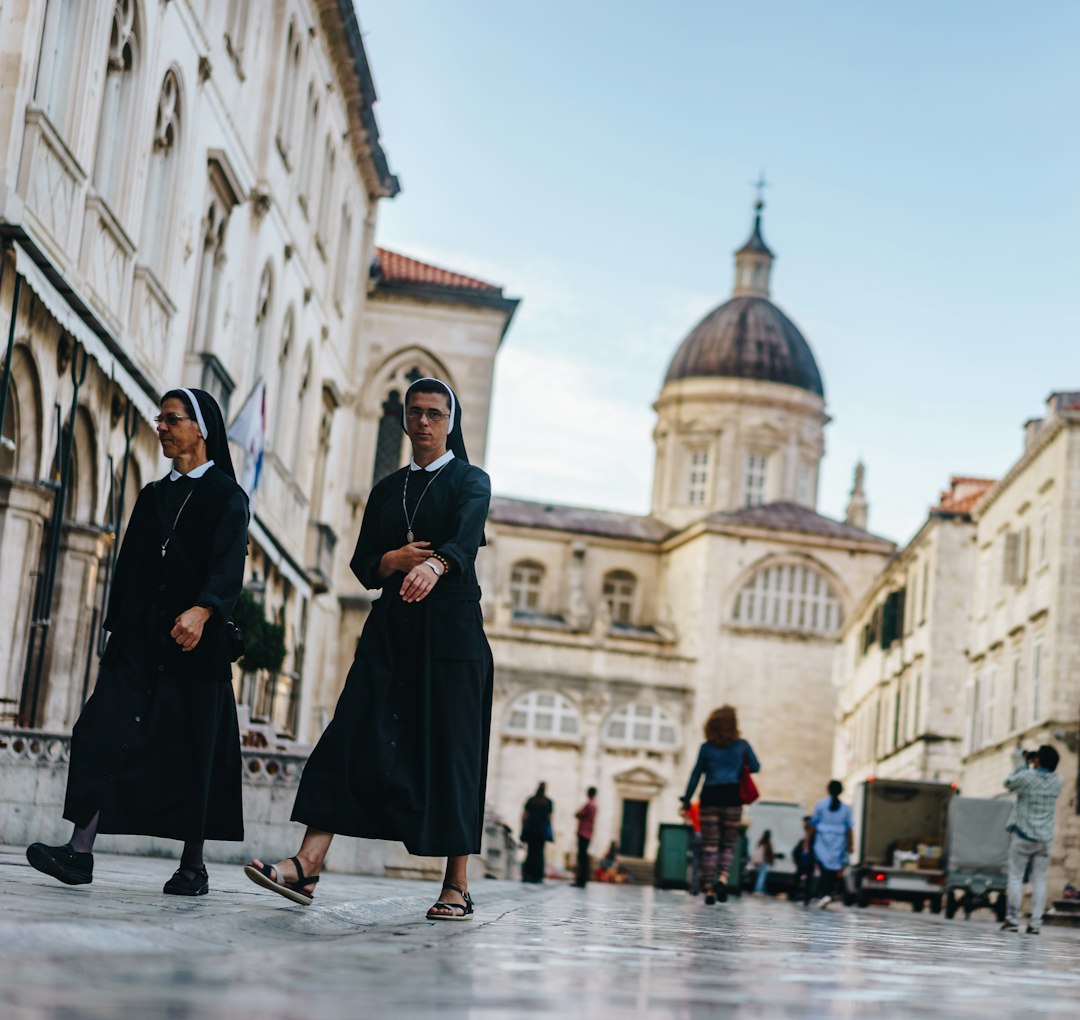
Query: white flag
[[248, 431]]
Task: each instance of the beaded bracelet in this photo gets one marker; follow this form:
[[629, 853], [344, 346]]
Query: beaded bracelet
[[443, 560]]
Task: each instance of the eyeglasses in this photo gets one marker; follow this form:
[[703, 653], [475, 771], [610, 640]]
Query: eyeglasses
[[434, 416], [171, 419]]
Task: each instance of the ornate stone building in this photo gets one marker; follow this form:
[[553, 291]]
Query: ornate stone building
[[966, 645], [188, 195], [615, 635], [901, 659], [1023, 638]]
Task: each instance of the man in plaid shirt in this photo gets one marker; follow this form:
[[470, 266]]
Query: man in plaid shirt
[[1032, 826]]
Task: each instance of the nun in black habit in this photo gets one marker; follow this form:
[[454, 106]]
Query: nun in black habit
[[405, 757], [156, 750]]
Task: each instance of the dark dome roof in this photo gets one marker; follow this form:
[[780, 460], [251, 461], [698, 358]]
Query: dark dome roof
[[747, 338]]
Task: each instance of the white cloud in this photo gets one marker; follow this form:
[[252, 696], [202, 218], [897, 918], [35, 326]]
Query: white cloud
[[559, 435]]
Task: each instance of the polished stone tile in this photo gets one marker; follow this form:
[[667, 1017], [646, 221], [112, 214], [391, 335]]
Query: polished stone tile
[[118, 948]]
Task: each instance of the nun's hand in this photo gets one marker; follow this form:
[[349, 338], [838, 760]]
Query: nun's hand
[[189, 627], [418, 583], [401, 561]]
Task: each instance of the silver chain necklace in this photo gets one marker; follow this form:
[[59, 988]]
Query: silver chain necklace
[[409, 537]]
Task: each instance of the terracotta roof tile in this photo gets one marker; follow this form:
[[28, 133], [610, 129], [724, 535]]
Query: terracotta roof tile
[[963, 494], [394, 267]]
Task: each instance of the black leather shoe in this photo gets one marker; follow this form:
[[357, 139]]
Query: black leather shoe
[[188, 882], [61, 862]]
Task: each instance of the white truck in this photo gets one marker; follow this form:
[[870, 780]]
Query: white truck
[[901, 836], [784, 821]]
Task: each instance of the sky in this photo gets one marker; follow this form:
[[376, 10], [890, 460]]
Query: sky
[[595, 159]]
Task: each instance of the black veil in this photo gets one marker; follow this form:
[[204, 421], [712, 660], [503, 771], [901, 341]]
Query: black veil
[[211, 424]]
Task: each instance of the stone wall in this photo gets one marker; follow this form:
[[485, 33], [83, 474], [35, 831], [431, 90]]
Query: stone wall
[[33, 777]]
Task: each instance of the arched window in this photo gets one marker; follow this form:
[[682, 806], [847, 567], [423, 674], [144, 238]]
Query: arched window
[[118, 103], [326, 197], [236, 19], [543, 714], [526, 586], [343, 252], [390, 437], [161, 189], [20, 447], [52, 89], [789, 596], [9, 434], [619, 588], [211, 270], [303, 404], [278, 385], [307, 149], [263, 304], [637, 725], [287, 103]]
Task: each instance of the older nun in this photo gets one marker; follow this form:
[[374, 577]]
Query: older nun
[[405, 757], [156, 750]]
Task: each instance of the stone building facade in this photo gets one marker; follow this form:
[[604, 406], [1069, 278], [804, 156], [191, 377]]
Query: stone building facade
[[188, 195], [1023, 639], [615, 635], [901, 658], [966, 644]]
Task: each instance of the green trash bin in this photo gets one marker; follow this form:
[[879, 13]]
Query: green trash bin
[[673, 856], [738, 862]]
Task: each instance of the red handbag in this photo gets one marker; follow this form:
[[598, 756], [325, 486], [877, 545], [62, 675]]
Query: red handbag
[[748, 791]]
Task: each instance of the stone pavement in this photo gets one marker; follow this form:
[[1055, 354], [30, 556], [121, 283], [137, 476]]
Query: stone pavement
[[119, 949]]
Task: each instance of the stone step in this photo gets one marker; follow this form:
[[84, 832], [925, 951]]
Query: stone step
[[1065, 913]]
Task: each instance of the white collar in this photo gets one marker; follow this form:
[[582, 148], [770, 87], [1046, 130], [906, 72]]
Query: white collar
[[193, 473], [435, 464]]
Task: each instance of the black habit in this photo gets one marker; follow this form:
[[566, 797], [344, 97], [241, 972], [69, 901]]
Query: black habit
[[157, 747], [405, 757]]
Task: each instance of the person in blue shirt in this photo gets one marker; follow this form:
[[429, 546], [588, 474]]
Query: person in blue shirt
[[831, 821], [720, 763]]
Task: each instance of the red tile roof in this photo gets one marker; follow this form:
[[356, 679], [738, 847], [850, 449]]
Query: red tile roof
[[963, 494], [396, 268]]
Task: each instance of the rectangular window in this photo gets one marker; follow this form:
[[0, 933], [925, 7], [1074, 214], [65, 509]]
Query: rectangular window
[[755, 479], [802, 485], [1044, 535], [1036, 681], [1014, 696], [925, 589], [988, 694], [698, 488], [898, 714], [916, 706]]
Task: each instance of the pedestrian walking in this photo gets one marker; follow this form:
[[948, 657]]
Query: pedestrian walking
[[803, 856], [156, 748], [832, 823], [405, 756], [763, 856], [720, 762], [1035, 782], [536, 832], [586, 821]]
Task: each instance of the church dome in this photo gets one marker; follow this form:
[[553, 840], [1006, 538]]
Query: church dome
[[747, 337]]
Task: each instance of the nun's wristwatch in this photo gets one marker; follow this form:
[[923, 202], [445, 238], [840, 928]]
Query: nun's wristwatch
[[435, 565]]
